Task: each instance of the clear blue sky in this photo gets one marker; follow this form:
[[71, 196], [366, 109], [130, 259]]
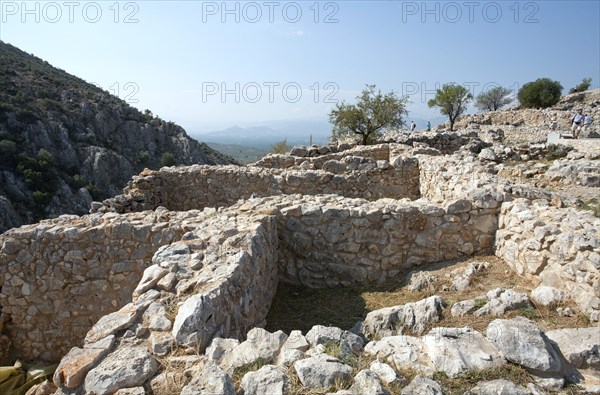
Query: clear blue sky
[[176, 57]]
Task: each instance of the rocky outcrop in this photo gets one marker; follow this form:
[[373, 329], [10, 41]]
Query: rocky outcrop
[[72, 142], [533, 125]]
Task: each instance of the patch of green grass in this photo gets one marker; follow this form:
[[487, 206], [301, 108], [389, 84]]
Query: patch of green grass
[[592, 206], [239, 373], [479, 303], [467, 380], [529, 312]]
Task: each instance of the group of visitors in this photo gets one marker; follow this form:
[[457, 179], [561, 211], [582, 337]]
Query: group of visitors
[[581, 122], [413, 126]]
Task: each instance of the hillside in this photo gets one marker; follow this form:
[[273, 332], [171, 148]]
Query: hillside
[[533, 125], [243, 154], [65, 142]]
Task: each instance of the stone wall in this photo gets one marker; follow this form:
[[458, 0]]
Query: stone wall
[[446, 143], [327, 241], [558, 247], [64, 274], [59, 276], [453, 176], [300, 156], [217, 282], [532, 125], [196, 187]]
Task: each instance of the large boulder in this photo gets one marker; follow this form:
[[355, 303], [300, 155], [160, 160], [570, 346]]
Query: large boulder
[[501, 301], [126, 367], [209, 378], [367, 382], [422, 386], [322, 371], [259, 345], [396, 320], [520, 341], [579, 346], [497, 387], [349, 342], [456, 350], [548, 296], [269, 379]]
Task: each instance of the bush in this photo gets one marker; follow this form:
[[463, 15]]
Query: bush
[[8, 150], [41, 199], [541, 93], [26, 116], [78, 181], [167, 159], [144, 157], [280, 147], [95, 193], [584, 86]]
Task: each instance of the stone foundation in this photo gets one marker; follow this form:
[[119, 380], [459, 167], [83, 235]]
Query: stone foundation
[[60, 276], [304, 227], [557, 247], [196, 187]]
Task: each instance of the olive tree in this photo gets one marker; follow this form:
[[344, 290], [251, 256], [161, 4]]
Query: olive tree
[[493, 99], [373, 113], [540, 93], [452, 100]]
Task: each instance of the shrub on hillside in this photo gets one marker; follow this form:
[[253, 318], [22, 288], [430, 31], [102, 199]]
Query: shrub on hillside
[[541, 93], [167, 159], [584, 86]]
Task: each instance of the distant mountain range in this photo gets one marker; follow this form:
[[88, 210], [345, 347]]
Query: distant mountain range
[[296, 132], [264, 135]]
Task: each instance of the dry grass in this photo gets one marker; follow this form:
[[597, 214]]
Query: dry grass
[[296, 307], [173, 375]]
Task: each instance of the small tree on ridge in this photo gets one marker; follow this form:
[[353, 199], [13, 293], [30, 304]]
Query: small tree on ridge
[[493, 99], [373, 113], [452, 100]]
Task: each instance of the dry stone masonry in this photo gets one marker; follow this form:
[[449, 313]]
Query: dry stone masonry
[[182, 268], [560, 247], [62, 275]]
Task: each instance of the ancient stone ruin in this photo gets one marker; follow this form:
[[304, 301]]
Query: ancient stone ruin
[[181, 270]]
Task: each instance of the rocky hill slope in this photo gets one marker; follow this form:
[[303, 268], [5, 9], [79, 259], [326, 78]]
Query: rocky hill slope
[[65, 142], [533, 125]]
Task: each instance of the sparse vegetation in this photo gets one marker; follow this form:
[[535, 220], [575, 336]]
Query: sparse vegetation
[[452, 100], [280, 147], [582, 87], [493, 99], [464, 382], [296, 307], [372, 113], [167, 159], [239, 373]]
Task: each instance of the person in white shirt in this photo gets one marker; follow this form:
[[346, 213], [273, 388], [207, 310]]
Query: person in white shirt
[[587, 122], [413, 126], [577, 123]]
